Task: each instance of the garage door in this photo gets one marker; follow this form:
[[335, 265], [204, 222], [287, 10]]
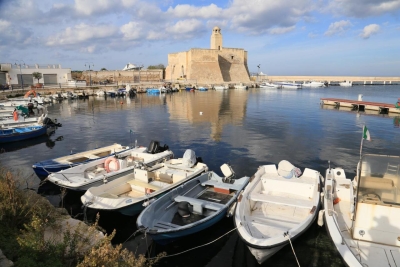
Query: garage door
[[3, 78], [50, 78], [27, 78]]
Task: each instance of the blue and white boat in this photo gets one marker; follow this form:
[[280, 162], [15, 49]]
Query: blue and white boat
[[103, 170], [192, 207], [202, 89], [45, 167], [20, 133], [129, 194]]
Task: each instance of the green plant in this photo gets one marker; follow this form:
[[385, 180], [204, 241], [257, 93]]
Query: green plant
[[37, 75]]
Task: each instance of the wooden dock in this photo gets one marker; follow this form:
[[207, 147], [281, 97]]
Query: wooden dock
[[383, 108]]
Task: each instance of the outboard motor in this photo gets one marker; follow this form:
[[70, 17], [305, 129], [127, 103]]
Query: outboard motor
[[30, 108], [153, 147], [189, 158]]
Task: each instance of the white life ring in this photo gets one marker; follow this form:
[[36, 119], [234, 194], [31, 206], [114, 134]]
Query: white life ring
[[115, 166]]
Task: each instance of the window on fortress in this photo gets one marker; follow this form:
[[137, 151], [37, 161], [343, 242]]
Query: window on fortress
[[231, 57]]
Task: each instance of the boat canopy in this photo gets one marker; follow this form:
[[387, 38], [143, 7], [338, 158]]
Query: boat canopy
[[378, 204]]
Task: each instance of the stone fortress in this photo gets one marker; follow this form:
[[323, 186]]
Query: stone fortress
[[217, 65]]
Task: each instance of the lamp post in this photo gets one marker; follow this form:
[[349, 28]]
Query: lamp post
[[90, 72], [20, 72], [258, 73]]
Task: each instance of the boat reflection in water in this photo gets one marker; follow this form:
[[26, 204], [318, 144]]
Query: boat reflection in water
[[50, 142]]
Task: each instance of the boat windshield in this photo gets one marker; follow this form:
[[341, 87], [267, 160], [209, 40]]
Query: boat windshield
[[378, 180]]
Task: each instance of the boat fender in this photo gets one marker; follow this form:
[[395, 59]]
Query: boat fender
[[107, 164], [321, 217], [148, 202], [231, 210]]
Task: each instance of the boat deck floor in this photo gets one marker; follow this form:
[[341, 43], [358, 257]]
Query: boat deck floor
[[208, 195], [270, 219]]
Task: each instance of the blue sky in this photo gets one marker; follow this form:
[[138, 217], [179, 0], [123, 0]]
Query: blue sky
[[301, 37]]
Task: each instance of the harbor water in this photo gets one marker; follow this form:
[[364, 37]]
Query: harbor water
[[245, 128]]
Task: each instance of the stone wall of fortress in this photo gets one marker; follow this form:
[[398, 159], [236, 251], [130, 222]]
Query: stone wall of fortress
[[153, 75], [209, 66]]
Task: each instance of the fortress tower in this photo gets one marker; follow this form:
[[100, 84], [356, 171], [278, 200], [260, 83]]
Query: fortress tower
[[216, 39], [216, 65]]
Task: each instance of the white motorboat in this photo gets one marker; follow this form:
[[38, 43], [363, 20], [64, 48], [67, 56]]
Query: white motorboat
[[362, 215], [270, 85], [289, 85], [313, 84], [276, 207], [45, 167], [240, 86], [104, 170], [346, 83], [220, 87], [129, 194]]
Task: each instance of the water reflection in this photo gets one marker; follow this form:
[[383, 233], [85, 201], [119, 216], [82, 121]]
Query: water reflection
[[217, 108]]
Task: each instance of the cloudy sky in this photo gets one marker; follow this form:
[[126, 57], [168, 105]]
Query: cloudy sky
[[286, 37]]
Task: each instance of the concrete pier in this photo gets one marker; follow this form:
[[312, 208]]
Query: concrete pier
[[361, 105]]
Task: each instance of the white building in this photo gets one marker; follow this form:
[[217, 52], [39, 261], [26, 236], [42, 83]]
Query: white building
[[18, 74]]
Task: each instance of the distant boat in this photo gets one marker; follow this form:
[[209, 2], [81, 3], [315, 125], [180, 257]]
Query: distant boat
[[346, 83], [269, 85], [240, 86], [202, 89], [220, 87], [313, 84], [192, 207], [288, 85]]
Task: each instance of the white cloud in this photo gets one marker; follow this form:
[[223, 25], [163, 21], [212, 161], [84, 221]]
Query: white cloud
[[281, 30], [132, 31], [90, 7], [185, 28], [14, 35], [363, 8], [185, 11], [338, 27], [260, 16], [370, 30], [82, 33]]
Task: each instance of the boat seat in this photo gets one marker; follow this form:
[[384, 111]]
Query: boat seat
[[281, 200], [180, 167], [164, 225], [199, 204], [376, 183], [222, 185], [143, 184]]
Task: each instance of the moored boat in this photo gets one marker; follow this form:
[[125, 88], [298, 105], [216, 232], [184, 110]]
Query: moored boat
[[129, 194], [362, 214], [346, 83], [313, 84], [191, 207], [106, 169], [289, 85], [276, 207], [46, 167]]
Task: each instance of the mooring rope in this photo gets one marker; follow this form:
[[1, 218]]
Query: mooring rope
[[176, 254], [286, 234]]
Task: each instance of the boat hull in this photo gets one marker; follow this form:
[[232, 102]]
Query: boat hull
[[165, 238], [15, 137]]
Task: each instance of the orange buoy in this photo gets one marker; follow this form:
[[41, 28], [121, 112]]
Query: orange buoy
[[336, 200], [15, 115], [115, 166]]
